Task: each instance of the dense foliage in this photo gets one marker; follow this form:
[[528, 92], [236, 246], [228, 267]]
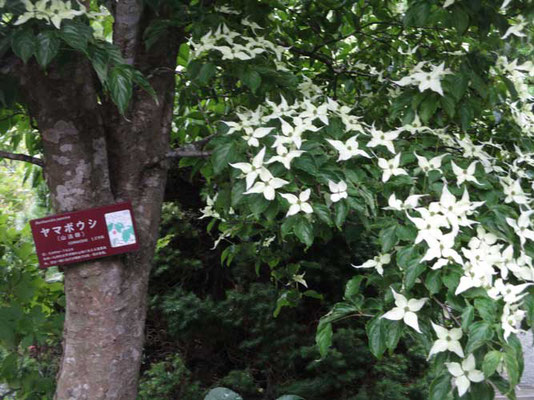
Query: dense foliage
[[400, 128]]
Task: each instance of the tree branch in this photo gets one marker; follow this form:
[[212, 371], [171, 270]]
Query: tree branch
[[22, 157]]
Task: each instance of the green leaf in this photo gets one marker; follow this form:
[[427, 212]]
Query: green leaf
[[76, 34], [222, 394], [222, 155], [412, 273], [490, 363], [486, 308], [393, 333], [440, 387], [377, 336], [353, 287], [144, 84], [323, 213], [467, 317], [342, 210], [449, 105], [207, 71], [323, 338], [23, 44], [47, 47], [479, 333], [433, 281], [460, 20], [120, 87], [304, 231], [458, 85], [466, 115], [428, 107], [252, 79], [388, 238], [512, 367]]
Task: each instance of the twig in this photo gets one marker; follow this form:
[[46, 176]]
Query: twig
[[449, 312], [22, 157], [188, 151]]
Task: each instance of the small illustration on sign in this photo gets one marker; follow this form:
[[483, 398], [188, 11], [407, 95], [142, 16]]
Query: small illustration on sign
[[120, 228]]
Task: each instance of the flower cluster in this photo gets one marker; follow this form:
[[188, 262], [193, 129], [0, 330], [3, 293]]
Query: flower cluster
[[51, 11]]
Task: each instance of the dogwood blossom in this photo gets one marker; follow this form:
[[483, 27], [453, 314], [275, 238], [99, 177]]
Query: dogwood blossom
[[339, 191], [377, 263], [465, 175], [379, 138], [429, 165], [254, 169], [298, 204], [391, 167], [521, 226], [267, 186], [405, 309], [348, 149], [464, 374], [448, 340], [408, 204]]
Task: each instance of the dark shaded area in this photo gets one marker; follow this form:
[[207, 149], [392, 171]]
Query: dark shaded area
[[210, 325]]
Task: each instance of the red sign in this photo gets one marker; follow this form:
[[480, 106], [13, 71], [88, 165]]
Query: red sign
[[85, 235]]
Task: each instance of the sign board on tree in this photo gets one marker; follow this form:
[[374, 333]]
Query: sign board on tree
[[84, 235]]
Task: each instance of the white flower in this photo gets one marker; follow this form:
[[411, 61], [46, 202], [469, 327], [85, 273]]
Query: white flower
[[253, 170], [339, 191], [252, 135], [464, 374], [386, 139], [285, 156], [464, 175], [514, 192], [426, 80], [428, 225], [429, 165], [348, 149], [378, 262], [268, 186], [448, 3], [405, 310], [396, 204], [208, 211], [391, 167], [509, 293], [516, 29], [298, 204], [511, 319], [442, 249], [521, 227], [448, 339]]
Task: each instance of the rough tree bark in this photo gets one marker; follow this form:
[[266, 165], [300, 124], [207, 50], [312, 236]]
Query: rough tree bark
[[95, 156]]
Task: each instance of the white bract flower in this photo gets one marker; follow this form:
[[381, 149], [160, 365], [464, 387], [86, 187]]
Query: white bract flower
[[513, 191], [339, 191], [252, 135], [208, 211], [426, 80], [396, 204], [285, 156], [379, 138], [391, 167], [298, 204], [54, 12], [463, 175], [508, 292], [377, 263], [511, 319], [253, 170], [464, 374], [428, 225], [429, 165], [448, 340], [405, 310], [443, 250], [521, 226], [517, 28], [268, 186], [348, 149]]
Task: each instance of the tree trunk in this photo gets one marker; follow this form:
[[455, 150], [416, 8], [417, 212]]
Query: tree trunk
[[94, 156]]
